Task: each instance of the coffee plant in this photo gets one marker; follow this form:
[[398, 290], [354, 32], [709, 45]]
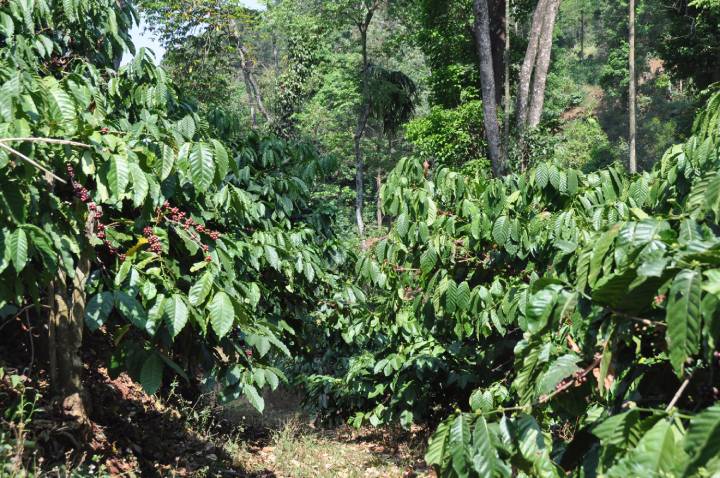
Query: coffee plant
[[554, 322], [547, 323], [118, 210]]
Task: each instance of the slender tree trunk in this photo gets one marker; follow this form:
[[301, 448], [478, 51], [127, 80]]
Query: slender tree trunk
[[359, 133], [363, 116], [66, 321], [359, 169], [528, 64], [506, 122], [582, 34], [251, 100], [251, 85], [498, 35], [487, 80], [276, 55], [632, 93], [378, 199], [537, 100], [117, 61]]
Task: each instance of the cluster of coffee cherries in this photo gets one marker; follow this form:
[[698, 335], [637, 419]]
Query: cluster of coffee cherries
[[153, 240], [83, 195], [182, 219]]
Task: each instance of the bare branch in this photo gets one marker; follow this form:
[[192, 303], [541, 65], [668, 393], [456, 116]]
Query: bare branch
[[44, 140], [32, 162], [678, 394]]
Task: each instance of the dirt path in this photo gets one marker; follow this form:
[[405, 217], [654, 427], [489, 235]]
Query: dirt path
[[287, 445], [299, 452], [133, 434]]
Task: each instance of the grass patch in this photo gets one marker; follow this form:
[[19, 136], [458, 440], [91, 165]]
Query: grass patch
[[297, 450]]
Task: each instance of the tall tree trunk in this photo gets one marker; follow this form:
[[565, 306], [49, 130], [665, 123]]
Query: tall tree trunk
[[537, 100], [506, 122], [251, 100], [275, 55], [66, 321], [582, 34], [528, 64], [251, 85], [363, 116], [632, 93], [498, 35], [378, 200], [487, 80], [359, 169]]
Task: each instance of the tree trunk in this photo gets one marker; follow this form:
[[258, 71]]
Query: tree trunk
[[582, 34], [67, 309], [378, 200], [498, 36], [487, 80], [276, 55], [633, 158], [528, 64], [363, 116], [251, 85], [506, 122], [543, 64], [359, 169], [251, 100]]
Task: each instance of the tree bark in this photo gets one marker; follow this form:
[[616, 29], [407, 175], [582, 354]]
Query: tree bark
[[251, 101], [537, 100], [378, 201], [498, 36], [528, 64], [506, 120], [359, 169], [251, 85], [582, 34], [363, 116], [67, 309], [487, 80], [632, 93]]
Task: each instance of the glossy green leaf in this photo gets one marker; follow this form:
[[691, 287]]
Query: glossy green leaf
[[200, 289], [175, 313], [202, 166], [222, 314], [17, 246], [151, 374], [684, 318], [98, 310]]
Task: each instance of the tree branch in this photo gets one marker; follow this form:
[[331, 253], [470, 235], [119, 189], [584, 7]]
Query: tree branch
[[678, 394], [31, 162], [44, 140]]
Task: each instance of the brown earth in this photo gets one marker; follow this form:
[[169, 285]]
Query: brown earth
[[134, 434]]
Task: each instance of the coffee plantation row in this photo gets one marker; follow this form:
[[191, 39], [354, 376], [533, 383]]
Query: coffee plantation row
[[546, 322], [557, 321]]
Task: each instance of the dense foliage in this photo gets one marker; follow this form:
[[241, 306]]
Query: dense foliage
[[108, 176], [558, 318]]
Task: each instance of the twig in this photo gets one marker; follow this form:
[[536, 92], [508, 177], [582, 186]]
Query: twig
[[640, 320], [32, 342], [20, 312], [678, 394], [32, 162], [546, 398], [44, 140]]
